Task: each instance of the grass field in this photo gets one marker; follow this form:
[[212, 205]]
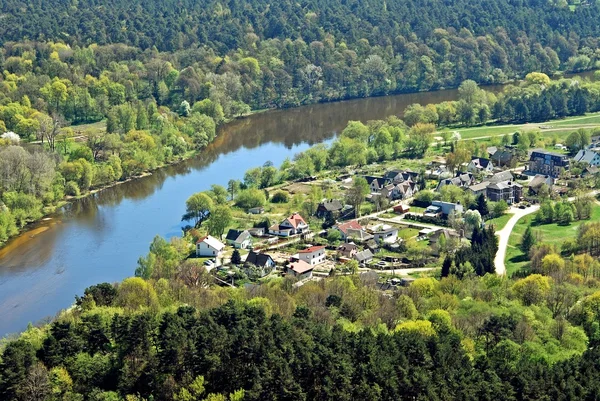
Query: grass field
[[550, 234], [499, 222]]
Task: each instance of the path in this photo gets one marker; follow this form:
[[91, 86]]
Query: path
[[504, 236]]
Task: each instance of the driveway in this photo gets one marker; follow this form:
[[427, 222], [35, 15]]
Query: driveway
[[504, 235]]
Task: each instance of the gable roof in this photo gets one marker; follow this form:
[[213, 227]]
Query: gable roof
[[258, 259], [363, 255], [480, 162], [212, 242], [539, 180], [585, 156], [353, 224], [295, 219], [501, 176], [479, 187], [312, 249], [300, 267], [237, 235], [379, 180], [331, 205], [349, 246]]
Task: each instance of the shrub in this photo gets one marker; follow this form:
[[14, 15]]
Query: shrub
[[280, 197], [72, 189]]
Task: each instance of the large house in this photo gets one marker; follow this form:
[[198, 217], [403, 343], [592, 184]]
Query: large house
[[398, 176], [480, 165], [314, 255], [329, 208], [548, 163], [587, 156], [293, 225], [239, 239], [388, 235], [508, 191], [300, 269], [209, 246], [375, 183], [505, 157]]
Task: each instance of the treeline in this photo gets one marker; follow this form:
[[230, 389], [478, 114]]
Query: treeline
[[476, 338], [291, 53]]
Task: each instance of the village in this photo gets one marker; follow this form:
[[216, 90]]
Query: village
[[403, 222]]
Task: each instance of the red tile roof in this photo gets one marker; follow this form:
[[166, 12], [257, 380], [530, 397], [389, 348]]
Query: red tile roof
[[312, 249], [300, 267], [349, 225], [295, 219]]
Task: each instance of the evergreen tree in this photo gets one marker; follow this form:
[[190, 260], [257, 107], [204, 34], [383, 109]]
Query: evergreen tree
[[236, 259], [528, 241], [482, 205], [446, 266]]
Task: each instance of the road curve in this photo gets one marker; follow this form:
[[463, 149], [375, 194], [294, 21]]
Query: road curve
[[504, 235]]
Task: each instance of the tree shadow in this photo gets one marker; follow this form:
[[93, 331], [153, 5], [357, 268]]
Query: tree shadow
[[519, 259]]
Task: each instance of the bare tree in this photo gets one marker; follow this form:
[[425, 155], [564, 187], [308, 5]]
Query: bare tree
[[36, 386], [50, 128]]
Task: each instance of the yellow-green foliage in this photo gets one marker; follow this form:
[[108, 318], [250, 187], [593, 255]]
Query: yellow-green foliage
[[532, 289], [136, 293], [423, 327]]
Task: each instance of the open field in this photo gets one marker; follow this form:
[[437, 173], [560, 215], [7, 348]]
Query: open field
[[499, 222], [550, 234]]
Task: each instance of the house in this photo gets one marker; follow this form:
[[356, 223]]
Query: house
[[347, 250], [590, 170], [257, 231], [548, 163], [504, 157], [314, 255], [492, 150], [239, 239], [397, 176], [387, 235], [350, 229], [437, 172], [500, 177], [364, 257], [375, 183], [443, 208], [209, 246], [434, 238], [479, 189], [300, 269], [538, 181], [256, 210], [293, 225], [594, 142], [587, 156], [401, 209], [508, 191], [260, 260], [329, 209], [480, 165], [461, 180]]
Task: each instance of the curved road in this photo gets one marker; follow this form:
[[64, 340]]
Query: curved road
[[504, 235]]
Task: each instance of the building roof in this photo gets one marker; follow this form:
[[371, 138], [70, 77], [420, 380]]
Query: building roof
[[387, 230], [592, 169], [539, 152], [480, 162], [504, 185], [353, 224], [492, 150], [295, 219], [212, 242], [332, 205], [501, 176], [237, 235], [479, 187], [300, 267], [258, 259], [349, 246], [363, 255], [585, 156], [379, 180], [312, 249], [539, 180]]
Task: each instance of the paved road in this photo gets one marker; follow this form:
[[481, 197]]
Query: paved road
[[504, 235]]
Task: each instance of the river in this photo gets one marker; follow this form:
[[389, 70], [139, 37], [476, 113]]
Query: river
[[99, 238]]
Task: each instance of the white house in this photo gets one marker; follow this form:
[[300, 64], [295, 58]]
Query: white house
[[209, 246], [239, 239], [350, 229], [300, 269], [314, 255], [587, 156], [293, 225], [387, 235]]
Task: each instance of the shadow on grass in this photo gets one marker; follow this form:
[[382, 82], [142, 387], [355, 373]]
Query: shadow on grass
[[518, 259]]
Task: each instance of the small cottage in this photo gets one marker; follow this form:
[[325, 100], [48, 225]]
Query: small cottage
[[347, 250], [300, 269], [239, 239]]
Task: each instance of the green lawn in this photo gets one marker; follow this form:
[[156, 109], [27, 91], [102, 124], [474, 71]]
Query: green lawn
[[407, 233], [551, 234], [499, 222]]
